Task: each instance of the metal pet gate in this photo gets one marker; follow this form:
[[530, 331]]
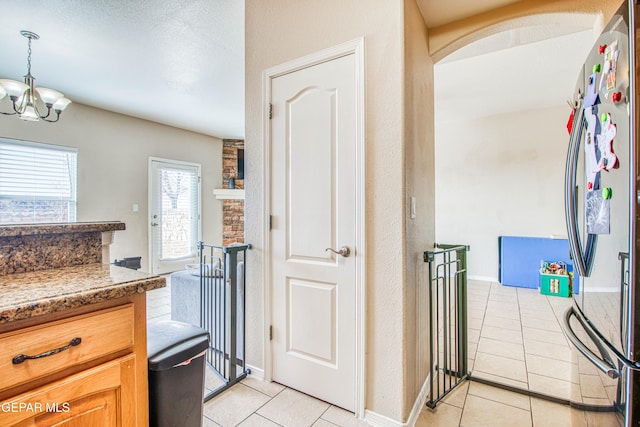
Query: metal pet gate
[[447, 266], [222, 311]]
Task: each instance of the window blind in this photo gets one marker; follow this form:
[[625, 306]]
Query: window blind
[[37, 182]]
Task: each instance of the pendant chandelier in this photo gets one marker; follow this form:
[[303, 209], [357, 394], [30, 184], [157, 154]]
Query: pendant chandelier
[[29, 102]]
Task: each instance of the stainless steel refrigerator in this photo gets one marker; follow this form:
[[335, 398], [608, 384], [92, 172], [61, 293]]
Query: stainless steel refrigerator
[[601, 205]]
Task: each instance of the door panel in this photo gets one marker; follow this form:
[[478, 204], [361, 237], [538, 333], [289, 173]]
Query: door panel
[[311, 201], [311, 320], [313, 208], [601, 297]]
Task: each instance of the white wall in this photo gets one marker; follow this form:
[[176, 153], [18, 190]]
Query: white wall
[[113, 153], [500, 175]]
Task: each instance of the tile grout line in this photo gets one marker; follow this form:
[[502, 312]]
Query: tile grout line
[[464, 403], [267, 402], [257, 409], [320, 416], [524, 348]]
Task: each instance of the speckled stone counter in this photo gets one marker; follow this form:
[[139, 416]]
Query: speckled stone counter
[[33, 247], [14, 230], [42, 292]]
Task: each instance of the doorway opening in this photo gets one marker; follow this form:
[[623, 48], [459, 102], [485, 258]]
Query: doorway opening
[[501, 140]]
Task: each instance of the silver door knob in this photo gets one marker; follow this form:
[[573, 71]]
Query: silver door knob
[[344, 251]]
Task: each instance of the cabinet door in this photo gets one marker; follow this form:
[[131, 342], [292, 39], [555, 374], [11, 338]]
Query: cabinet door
[[101, 396]]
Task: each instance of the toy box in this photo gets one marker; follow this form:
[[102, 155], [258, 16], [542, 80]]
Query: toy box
[[556, 279]]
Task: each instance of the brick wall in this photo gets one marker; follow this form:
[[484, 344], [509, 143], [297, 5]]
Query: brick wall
[[232, 210]]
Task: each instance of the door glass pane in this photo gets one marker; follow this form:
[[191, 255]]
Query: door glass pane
[[179, 192]]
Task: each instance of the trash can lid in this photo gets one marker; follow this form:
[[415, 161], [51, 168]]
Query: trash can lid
[[170, 342]]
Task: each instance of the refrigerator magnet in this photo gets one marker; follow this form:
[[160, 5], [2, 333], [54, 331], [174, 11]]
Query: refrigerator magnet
[[608, 159], [597, 213], [591, 98], [591, 146]]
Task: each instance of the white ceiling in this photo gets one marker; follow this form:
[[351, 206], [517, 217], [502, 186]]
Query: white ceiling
[[175, 62]]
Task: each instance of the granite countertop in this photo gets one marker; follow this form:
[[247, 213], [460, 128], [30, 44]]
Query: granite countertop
[[36, 293], [11, 230]]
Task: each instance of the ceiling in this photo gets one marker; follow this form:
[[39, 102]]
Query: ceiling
[[182, 63], [175, 62]]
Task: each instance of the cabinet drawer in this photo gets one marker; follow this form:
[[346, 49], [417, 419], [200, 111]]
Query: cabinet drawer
[[100, 333]]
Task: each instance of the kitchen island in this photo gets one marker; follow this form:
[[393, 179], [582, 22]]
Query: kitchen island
[[72, 328]]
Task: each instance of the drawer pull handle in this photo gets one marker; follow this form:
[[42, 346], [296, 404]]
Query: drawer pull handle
[[22, 357]]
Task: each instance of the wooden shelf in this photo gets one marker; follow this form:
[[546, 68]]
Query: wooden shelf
[[229, 194]]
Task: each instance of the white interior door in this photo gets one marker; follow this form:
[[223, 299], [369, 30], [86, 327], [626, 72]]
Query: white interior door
[[174, 214], [313, 207]]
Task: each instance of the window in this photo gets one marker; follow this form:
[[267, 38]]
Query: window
[[240, 163], [37, 182]]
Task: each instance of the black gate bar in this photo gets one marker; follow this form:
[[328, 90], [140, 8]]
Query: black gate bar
[[448, 365], [222, 313]]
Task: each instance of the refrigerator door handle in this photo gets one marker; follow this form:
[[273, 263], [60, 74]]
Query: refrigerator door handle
[[583, 259], [604, 363]]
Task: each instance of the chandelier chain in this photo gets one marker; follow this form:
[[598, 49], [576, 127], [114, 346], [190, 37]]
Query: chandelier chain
[[29, 58]]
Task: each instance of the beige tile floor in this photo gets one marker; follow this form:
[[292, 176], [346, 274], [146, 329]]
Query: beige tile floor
[[515, 338], [256, 403], [473, 405]]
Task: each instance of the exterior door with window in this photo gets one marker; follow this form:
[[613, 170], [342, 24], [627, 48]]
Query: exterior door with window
[[174, 214]]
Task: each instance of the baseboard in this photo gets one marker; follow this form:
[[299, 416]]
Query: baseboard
[[483, 278], [375, 419], [256, 372], [420, 402], [382, 421]]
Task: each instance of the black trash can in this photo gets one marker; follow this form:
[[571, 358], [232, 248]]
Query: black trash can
[[176, 356]]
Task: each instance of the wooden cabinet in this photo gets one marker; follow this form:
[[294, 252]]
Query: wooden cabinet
[[102, 381], [100, 396]]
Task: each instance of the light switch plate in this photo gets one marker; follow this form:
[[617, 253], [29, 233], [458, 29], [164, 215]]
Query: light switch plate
[[413, 208]]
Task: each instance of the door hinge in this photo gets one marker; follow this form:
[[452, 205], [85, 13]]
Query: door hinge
[[270, 332], [270, 111], [270, 222]]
